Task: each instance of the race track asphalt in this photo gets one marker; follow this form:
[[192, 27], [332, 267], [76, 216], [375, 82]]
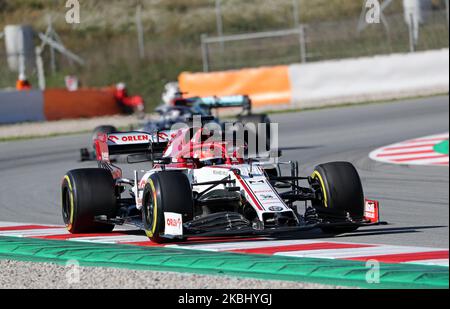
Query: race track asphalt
[[414, 199]]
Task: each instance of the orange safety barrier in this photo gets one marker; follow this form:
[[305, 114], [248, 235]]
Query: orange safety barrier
[[84, 103], [265, 86]]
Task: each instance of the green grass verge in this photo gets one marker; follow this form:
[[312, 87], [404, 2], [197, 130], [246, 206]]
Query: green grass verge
[[106, 37]]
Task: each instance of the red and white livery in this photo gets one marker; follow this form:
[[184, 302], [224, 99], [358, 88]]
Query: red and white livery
[[201, 184]]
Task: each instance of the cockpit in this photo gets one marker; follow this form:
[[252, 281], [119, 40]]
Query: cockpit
[[202, 147]]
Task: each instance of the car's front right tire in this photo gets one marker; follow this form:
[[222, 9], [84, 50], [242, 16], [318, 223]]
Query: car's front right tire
[[166, 191]]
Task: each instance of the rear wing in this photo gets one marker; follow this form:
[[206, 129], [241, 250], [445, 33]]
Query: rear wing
[[129, 143], [243, 101]]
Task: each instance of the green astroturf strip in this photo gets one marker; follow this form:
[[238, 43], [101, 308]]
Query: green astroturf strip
[[442, 147], [325, 271]]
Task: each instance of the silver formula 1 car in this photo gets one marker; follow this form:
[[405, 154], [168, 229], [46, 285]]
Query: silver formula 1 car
[[196, 186]]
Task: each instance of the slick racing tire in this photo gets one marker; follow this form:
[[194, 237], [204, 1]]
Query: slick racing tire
[[166, 191], [254, 120], [341, 195], [87, 193]]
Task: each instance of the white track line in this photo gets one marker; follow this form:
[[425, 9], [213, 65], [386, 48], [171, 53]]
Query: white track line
[[356, 252], [111, 239], [245, 245], [440, 262], [35, 232]]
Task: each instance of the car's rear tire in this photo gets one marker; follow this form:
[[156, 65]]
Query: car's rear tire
[[253, 120], [341, 195], [87, 193], [166, 191]]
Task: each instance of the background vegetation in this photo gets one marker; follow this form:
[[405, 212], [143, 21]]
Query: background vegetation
[[107, 40]]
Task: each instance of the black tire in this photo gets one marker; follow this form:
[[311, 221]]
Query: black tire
[[102, 129], [173, 193], [87, 193], [341, 195], [255, 120], [272, 172]]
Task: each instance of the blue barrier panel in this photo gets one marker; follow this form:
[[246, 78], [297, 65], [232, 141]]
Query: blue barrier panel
[[21, 106]]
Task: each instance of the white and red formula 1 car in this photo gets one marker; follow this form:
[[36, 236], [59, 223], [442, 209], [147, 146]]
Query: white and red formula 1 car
[[199, 187]]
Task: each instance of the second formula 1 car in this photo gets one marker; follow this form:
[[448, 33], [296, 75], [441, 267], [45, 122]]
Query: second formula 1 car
[[182, 109], [197, 185]]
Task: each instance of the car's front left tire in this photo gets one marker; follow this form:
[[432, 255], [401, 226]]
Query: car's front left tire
[[341, 196]]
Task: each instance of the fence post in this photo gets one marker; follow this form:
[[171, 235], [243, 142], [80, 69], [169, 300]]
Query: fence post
[[219, 21], [412, 33], [295, 9], [52, 50], [302, 37], [40, 68], [446, 12], [140, 32], [205, 53]]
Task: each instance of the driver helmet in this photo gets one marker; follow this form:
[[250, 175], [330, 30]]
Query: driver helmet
[[121, 86], [172, 115], [210, 155], [171, 93]]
